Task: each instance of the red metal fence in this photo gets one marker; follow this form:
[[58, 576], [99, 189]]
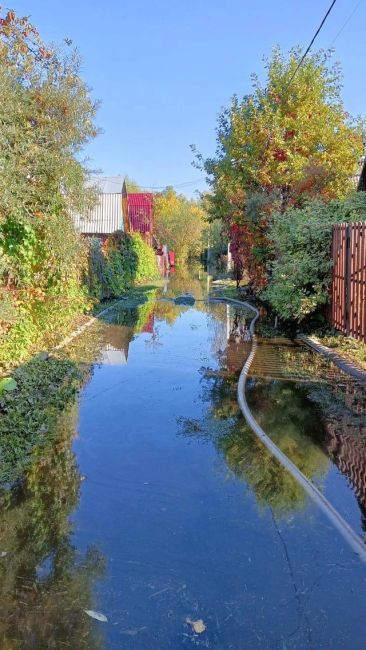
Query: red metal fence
[[348, 304]]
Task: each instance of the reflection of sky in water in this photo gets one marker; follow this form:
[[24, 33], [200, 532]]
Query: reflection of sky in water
[[182, 514]]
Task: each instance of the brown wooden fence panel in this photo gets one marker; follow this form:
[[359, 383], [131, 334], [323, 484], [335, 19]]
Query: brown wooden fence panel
[[338, 283], [348, 291]]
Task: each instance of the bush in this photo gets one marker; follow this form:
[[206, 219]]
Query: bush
[[300, 274], [146, 266], [44, 265], [123, 260]]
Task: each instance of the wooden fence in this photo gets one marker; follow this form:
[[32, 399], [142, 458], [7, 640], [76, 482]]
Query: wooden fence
[[348, 291]]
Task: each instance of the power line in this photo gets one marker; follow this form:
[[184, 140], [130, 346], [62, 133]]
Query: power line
[[153, 187], [162, 187], [346, 21], [312, 41]]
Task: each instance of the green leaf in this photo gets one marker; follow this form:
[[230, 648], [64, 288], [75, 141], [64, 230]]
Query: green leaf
[[7, 383]]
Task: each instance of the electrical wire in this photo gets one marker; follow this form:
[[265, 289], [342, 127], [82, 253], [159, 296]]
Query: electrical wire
[[312, 42], [178, 185], [346, 22], [152, 187]]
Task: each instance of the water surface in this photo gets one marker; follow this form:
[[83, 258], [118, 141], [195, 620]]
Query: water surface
[[165, 509]]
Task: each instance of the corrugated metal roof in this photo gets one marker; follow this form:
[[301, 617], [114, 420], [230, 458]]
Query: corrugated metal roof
[[140, 211], [103, 219], [107, 184]]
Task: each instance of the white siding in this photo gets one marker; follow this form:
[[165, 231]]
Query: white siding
[[105, 218]]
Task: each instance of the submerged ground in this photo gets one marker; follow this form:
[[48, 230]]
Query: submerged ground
[[158, 508]]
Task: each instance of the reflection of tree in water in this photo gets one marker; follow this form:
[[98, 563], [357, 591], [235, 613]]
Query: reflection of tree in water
[[45, 584], [245, 455], [292, 421], [325, 405], [190, 279]]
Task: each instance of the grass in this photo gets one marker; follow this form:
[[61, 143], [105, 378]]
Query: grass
[[351, 349]]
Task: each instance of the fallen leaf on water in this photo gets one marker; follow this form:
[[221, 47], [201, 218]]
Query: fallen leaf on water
[[97, 615], [198, 626]]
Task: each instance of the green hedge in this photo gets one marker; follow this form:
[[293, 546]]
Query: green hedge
[[54, 276], [115, 266]]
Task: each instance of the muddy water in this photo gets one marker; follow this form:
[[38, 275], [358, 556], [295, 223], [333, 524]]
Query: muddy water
[[159, 509]]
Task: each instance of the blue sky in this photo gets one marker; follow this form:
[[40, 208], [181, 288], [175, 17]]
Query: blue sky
[[164, 68]]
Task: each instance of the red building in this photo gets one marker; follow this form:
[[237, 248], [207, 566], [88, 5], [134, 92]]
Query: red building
[[138, 213]]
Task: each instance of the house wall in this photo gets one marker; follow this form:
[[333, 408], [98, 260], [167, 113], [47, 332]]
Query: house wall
[[105, 218]]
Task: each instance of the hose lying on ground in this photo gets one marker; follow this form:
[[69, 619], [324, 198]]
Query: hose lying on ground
[[333, 515]]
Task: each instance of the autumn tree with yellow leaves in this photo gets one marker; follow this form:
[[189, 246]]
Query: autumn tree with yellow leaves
[[180, 223], [288, 140]]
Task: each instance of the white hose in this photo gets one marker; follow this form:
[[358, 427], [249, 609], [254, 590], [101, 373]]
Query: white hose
[[333, 515]]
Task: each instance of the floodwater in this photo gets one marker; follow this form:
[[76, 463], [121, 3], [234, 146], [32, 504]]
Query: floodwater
[[159, 508]]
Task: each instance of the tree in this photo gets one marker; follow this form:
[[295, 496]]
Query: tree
[[131, 185], [46, 117], [289, 139], [179, 223]]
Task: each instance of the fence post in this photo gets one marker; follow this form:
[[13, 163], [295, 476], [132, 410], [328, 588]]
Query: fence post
[[347, 281]]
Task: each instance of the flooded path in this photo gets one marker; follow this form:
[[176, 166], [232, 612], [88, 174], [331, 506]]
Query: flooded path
[[167, 515]]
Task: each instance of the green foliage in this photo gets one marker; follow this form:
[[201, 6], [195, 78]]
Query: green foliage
[[301, 239], [348, 347], [45, 262], [44, 388], [146, 266], [46, 117], [122, 261], [180, 223], [131, 185], [289, 138]]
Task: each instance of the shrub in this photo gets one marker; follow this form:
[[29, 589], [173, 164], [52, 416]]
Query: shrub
[[146, 266], [300, 274], [123, 260]]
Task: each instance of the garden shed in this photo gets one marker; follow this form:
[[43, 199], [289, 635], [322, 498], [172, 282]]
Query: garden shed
[[106, 217]]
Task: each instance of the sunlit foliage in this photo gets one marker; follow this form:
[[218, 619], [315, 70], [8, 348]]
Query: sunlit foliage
[[179, 223], [288, 139]]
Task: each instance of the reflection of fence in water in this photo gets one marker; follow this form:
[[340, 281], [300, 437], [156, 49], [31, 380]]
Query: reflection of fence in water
[[349, 454]]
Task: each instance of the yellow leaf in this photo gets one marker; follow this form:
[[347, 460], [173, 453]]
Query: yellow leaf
[[198, 626]]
